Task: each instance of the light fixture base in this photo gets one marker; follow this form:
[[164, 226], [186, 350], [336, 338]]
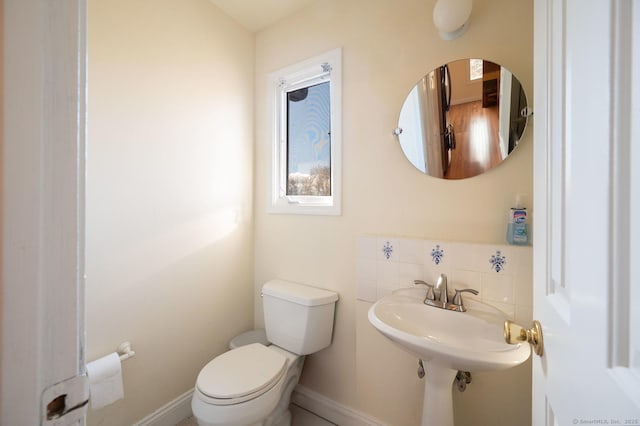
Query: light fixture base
[[452, 35]]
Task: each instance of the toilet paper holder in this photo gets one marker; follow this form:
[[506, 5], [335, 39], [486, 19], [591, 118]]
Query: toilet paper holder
[[124, 351]]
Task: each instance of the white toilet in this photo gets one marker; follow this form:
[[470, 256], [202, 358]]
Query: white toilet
[[252, 384]]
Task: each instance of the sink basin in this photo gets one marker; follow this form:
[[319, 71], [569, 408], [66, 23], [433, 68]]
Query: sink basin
[[446, 341], [467, 341]]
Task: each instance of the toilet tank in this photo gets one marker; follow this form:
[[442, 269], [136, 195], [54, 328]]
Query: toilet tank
[[297, 317]]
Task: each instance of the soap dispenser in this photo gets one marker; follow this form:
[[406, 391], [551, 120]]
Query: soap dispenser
[[517, 228]]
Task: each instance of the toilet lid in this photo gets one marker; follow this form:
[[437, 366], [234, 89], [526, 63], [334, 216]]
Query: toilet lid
[[242, 371]]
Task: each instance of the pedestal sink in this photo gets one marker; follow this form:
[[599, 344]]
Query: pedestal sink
[[446, 341]]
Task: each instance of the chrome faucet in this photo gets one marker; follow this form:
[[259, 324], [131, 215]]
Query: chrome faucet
[[457, 298], [438, 295], [441, 289], [430, 295]]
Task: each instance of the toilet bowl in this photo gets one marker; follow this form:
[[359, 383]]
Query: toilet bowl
[[245, 385], [252, 383]]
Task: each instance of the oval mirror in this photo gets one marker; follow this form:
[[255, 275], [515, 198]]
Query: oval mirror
[[462, 119]]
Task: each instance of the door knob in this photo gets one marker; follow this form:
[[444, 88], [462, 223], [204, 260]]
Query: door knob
[[514, 334]]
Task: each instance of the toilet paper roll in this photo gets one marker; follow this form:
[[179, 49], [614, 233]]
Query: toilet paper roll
[[105, 380]]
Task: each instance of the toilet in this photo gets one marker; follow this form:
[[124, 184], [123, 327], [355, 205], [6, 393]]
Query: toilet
[[251, 384]]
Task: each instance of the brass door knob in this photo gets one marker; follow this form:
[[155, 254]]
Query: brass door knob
[[514, 334]]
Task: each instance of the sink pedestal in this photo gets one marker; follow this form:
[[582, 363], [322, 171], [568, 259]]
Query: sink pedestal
[[437, 407]]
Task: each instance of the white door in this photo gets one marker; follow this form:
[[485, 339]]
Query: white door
[[43, 121], [587, 201]]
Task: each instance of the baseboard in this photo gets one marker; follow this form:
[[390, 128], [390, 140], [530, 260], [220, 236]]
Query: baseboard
[[170, 414], [466, 100], [331, 410], [179, 409]]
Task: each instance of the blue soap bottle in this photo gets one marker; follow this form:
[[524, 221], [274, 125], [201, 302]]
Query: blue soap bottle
[[517, 228]]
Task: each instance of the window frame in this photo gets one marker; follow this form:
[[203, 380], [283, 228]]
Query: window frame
[[473, 79], [318, 69]]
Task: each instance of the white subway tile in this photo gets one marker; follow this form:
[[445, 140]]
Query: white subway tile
[[383, 291], [461, 278], [411, 250], [432, 273], [388, 274], [367, 248], [523, 290], [524, 316], [496, 259], [367, 291], [367, 270], [508, 308], [408, 273], [461, 254], [524, 259], [437, 254], [388, 249], [389, 263], [497, 288]]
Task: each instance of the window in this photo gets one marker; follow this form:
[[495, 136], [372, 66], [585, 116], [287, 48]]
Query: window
[[475, 69], [306, 146], [309, 141]]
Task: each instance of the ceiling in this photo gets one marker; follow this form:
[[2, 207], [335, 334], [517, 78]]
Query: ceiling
[[258, 14]]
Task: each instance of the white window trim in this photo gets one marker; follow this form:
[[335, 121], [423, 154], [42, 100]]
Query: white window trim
[[473, 79], [302, 74]]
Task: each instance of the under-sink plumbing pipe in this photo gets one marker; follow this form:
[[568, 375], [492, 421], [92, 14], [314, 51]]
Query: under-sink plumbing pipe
[[463, 378]]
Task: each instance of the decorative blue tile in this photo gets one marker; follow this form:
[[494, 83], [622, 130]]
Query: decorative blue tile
[[437, 254], [387, 249], [498, 261]]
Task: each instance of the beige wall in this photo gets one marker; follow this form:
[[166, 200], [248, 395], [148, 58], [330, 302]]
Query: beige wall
[[169, 186], [387, 47]]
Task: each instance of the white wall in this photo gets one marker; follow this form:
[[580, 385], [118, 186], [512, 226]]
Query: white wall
[[169, 192], [387, 47]]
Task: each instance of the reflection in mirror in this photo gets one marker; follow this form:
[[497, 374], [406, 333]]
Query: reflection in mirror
[[462, 119]]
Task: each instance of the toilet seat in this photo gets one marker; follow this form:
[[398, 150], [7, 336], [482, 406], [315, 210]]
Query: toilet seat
[[241, 374]]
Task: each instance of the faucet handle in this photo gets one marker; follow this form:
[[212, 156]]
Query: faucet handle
[[457, 297], [430, 293]]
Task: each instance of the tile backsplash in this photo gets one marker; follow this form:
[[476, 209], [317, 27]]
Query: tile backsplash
[[503, 274]]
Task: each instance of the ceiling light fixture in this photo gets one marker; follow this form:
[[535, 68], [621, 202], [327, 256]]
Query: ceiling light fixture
[[451, 17]]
